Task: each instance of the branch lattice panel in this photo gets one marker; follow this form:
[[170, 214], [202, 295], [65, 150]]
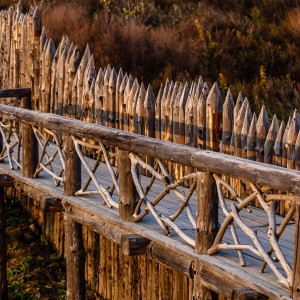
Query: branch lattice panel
[[11, 142], [169, 204], [51, 153], [262, 241], [239, 231], [149, 203], [103, 156]]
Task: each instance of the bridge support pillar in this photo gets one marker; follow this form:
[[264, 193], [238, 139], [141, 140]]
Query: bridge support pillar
[[75, 257], [5, 181]]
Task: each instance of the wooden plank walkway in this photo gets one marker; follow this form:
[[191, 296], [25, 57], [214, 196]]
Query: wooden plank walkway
[[224, 261]]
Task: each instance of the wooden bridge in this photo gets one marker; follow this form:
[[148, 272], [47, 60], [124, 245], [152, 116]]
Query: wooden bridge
[[150, 212], [209, 239]]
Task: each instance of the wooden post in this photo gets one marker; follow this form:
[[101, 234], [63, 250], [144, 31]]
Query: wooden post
[[29, 145], [206, 227], [5, 181], [207, 212], [295, 289], [72, 167], [75, 258], [127, 194], [134, 244]]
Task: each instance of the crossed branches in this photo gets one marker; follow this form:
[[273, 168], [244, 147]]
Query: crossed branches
[[8, 131], [163, 221], [106, 193], [232, 217], [46, 159]]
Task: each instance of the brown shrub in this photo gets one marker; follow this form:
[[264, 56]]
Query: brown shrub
[[68, 19]]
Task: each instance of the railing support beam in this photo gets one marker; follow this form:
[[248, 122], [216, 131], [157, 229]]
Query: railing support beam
[[127, 194], [29, 145], [206, 228], [72, 167]]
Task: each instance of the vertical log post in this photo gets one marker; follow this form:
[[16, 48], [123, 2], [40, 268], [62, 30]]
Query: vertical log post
[[75, 258], [73, 231], [127, 194], [5, 181], [206, 227], [72, 167], [295, 289], [29, 145]]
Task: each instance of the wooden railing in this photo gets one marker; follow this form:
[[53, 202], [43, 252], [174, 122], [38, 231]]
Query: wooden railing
[[65, 83], [208, 178]]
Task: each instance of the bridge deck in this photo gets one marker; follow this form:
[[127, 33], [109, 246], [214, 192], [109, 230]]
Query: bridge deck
[[224, 262]]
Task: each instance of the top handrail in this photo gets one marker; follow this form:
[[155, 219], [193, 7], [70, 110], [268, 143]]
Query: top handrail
[[264, 174]]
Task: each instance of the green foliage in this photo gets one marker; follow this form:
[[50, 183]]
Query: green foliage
[[24, 276], [34, 270]]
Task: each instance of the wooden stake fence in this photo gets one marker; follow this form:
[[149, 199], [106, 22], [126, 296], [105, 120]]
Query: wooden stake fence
[[65, 84]]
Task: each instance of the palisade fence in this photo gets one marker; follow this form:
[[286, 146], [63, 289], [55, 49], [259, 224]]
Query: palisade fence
[[64, 83]]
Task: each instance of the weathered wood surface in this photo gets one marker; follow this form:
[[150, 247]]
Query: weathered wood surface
[[206, 227], [203, 160], [128, 194], [73, 168], [216, 282], [207, 212], [30, 145], [50, 204], [75, 258], [90, 211], [134, 244]]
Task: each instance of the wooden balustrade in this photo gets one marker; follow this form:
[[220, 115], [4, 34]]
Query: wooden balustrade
[[206, 162]]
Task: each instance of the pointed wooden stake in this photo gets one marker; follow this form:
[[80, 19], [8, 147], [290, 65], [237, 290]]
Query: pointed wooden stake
[[201, 117], [270, 141], [227, 127], [214, 110], [262, 129]]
